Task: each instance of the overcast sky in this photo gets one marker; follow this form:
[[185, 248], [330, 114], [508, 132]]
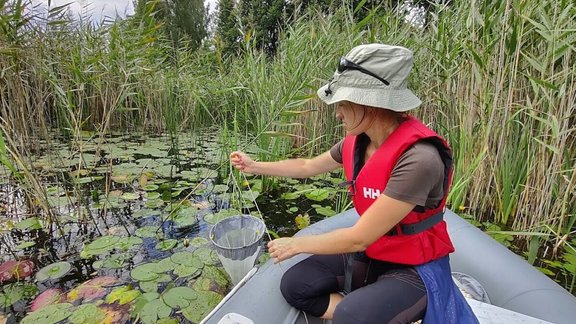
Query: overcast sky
[[98, 9]]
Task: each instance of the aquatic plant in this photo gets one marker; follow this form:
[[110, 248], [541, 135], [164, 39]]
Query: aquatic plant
[[53, 271]]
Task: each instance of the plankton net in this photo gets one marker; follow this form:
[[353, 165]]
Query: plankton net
[[238, 242]]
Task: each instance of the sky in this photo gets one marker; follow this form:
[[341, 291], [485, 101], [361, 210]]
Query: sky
[[99, 9]]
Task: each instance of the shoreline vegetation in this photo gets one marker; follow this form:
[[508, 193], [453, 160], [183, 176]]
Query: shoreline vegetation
[[497, 79]]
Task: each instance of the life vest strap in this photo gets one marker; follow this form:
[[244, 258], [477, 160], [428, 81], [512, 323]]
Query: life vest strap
[[419, 227]]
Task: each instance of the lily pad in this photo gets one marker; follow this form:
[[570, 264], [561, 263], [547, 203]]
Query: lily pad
[[84, 180], [126, 243], [250, 195], [186, 258], [144, 272], [149, 231], [145, 212], [165, 265], [31, 223], [130, 196], [185, 217], [154, 203], [179, 297], [325, 211], [87, 314], [154, 310], [50, 314], [166, 245], [208, 256], [116, 313], [142, 300], [302, 221], [151, 195], [122, 295], [201, 306], [198, 241], [152, 286], [188, 271], [92, 289], [54, 271], [148, 286], [318, 194], [115, 261], [216, 217], [25, 245], [151, 187], [101, 245], [123, 178], [213, 279], [47, 297], [13, 269]]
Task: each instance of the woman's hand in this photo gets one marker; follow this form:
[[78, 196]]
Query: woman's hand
[[242, 162], [283, 248]]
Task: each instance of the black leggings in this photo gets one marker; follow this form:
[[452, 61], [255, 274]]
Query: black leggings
[[381, 292]]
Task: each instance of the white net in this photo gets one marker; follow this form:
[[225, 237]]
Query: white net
[[238, 242]]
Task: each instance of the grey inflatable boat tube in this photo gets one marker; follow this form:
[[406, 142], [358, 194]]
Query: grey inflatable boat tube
[[509, 281]]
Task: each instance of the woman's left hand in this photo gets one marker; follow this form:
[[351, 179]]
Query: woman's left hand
[[283, 248]]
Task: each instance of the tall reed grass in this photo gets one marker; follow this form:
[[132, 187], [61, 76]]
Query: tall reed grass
[[497, 78]]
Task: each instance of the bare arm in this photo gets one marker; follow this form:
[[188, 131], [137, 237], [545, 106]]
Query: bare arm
[[292, 168], [376, 221]]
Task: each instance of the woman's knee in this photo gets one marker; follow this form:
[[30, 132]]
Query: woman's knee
[[305, 294], [293, 288], [347, 313]]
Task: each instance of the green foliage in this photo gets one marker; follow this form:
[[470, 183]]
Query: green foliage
[[15, 292], [50, 314], [86, 314], [302, 221], [53, 271], [227, 31], [261, 22], [122, 295], [182, 20]]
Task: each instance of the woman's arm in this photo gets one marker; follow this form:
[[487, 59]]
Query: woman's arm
[[376, 221], [292, 168]]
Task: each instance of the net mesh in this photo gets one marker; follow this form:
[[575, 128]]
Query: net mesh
[[238, 242]]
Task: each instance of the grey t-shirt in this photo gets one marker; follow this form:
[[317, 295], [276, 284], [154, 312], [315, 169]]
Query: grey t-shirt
[[417, 177]]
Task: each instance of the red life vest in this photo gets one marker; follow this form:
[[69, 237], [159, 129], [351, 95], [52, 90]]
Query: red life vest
[[413, 249]]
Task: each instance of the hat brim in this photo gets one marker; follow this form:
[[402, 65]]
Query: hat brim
[[396, 100]]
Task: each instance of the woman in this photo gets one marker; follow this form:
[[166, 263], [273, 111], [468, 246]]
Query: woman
[[392, 265]]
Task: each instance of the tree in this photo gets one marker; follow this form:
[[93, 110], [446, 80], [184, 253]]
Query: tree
[[227, 32], [181, 19], [187, 21], [264, 19]]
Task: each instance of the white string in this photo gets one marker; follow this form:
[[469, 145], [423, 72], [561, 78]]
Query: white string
[[257, 208], [260, 215], [305, 317]]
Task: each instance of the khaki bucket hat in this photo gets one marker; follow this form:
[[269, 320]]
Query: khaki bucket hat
[[374, 75]]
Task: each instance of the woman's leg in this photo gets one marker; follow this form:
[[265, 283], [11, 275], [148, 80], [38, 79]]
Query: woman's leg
[[308, 284], [398, 296]]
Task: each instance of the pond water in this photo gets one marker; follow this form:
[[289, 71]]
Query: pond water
[[126, 235]]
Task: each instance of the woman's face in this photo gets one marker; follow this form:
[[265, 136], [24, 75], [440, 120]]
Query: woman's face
[[353, 116]]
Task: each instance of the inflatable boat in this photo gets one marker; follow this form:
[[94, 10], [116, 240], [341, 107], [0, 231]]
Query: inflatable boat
[[517, 292]]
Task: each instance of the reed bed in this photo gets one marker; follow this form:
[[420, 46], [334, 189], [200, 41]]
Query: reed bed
[[497, 78]]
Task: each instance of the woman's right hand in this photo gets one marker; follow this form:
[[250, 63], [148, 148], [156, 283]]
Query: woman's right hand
[[242, 162]]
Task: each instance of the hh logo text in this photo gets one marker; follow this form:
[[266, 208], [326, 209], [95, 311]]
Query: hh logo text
[[370, 192]]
